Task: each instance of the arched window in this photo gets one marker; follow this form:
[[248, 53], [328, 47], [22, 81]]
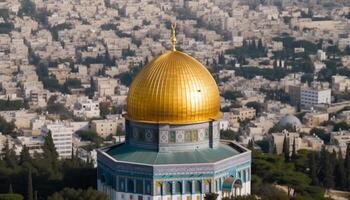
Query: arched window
[[158, 188], [188, 187], [148, 187], [244, 175], [139, 186], [207, 187], [121, 184], [167, 189], [197, 186], [130, 185], [178, 187]]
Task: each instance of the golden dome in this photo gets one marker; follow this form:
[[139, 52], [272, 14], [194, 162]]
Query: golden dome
[[173, 89]]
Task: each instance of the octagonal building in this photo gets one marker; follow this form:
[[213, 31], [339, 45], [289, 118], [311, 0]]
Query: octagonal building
[[172, 149]]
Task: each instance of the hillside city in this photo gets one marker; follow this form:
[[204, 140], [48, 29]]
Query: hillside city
[[282, 68]]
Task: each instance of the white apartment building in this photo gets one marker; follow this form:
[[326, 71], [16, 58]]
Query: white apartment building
[[86, 108], [313, 96], [62, 136]]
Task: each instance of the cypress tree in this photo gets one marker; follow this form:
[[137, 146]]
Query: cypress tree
[[274, 151], [347, 166], [260, 45], [49, 153], [146, 60], [10, 156], [30, 186], [10, 189], [294, 153], [253, 44], [340, 175], [328, 172], [24, 156], [286, 149], [313, 168], [49, 149], [250, 145], [322, 164]]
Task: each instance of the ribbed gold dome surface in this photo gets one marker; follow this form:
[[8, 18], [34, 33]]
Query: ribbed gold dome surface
[[173, 89]]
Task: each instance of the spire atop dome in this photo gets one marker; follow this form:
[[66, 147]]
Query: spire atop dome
[[173, 36]]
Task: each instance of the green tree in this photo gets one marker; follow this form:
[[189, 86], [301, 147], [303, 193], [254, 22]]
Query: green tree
[[274, 151], [326, 171], [10, 189], [321, 133], [269, 192], [11, 197], [10, 156], [340, 174], [341, 126], [50, 154], [313, 168], [250, 144], [5, 127], [211, 196], [294, 153], [90, 136], [229, 135], [73, 194], [30, 186], [247, 197], [24, 157], [231, 95], [105, 108], [347, 166], [256, 105], [285, 149]]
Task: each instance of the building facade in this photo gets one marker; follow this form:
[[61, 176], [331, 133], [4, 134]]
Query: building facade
[[86, 108], [172, 148], [104, 127], [313, 96], [62, 136]]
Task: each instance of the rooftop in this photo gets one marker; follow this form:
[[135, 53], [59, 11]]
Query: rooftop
[[126, 153]]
